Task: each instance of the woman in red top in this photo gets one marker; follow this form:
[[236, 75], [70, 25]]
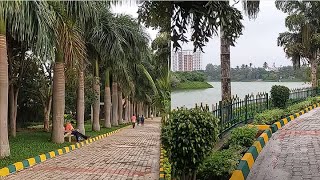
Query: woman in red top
[[133, 120]]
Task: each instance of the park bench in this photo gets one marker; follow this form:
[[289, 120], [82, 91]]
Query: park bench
[[68, 136]]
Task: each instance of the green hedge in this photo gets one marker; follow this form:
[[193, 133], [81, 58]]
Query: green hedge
[[280, 96], [243, 136]]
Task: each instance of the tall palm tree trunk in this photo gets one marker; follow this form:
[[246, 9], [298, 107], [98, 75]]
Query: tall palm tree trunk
[[314, 67], [114, 103], [58, 98], [126, 110], [12, 122], [80, 101], [120, 106], [96, 102], [107, 102], [225, 67], [47, 110], [4, 84]]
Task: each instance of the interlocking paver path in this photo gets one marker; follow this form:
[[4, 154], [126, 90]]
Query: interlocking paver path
[[128, 154], [293, 151]]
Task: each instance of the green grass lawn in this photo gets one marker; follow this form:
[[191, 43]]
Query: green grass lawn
[[34, 142]]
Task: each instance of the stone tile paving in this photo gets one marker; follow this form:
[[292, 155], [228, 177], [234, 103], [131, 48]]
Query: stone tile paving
[[130, 154], [292, 153]]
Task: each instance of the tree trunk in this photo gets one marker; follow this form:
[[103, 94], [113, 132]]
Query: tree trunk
[[12, 123], [314, 67], [114, 104], [107, 102], [149, 111], [120, 106], [58, 99], [225, 67], [4, 84], [80, 102], [126, 110], [47, 110], [96, 105]]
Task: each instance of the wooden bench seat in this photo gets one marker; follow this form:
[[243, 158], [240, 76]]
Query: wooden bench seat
[[69, 136]]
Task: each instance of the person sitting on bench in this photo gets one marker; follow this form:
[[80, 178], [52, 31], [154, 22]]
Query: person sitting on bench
[[69, 129]]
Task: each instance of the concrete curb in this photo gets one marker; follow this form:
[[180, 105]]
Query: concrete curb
[[18, 166], [161, 170], [247, 161]]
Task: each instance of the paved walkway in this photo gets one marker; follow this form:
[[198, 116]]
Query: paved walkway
[[128, 154], [293, 151]]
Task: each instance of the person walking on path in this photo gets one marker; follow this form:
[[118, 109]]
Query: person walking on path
[[142, 120], [133, 120], [138, 120], [151, 116]]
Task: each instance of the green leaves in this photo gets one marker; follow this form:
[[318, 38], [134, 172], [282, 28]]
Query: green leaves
[[243, 136], [188, 136], [280, 96]]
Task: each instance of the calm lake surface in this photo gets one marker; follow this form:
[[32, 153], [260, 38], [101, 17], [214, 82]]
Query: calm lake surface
[[211, 96]]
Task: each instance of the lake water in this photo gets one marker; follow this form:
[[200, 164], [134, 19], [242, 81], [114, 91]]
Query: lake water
[[211, 96]]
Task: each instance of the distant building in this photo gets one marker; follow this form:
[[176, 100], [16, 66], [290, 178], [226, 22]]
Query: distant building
[[186, 60]]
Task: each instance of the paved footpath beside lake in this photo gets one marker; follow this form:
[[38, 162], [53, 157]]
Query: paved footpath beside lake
[[292, 153], [128, 154]]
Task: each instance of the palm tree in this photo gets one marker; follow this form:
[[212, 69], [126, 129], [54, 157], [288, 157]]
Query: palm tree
[[301, 41], [25, 21], [70, 16]]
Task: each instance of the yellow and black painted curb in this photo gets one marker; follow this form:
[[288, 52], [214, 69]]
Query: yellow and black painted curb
[[43, 157], [247, 161], [161, 170]]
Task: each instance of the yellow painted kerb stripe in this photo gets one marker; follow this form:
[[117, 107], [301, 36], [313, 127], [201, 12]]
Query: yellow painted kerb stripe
[[162, 175], [237, 175], [18, 165], [265, 137], [278, 124], [73, 147], [297, 114], [31, 161], [67, 149], [4, 171], [60, 151], [52, 154], [248, 157], [292, 117], [285, 120], [42, 157], [257, 145]]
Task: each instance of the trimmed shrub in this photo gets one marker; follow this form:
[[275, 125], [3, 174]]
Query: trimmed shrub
[[188, 137], [269, 116], [243, 136], [280, 96], [219, 165], [298, 107]]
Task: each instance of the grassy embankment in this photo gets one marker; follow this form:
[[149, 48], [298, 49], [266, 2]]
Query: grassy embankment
[[192, 85]]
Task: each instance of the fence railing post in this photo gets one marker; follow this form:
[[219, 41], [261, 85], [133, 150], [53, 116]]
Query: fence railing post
[[220, 115], [246, 108], [267, 96]]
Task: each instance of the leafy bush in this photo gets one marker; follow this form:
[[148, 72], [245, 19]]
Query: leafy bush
[[188, 136], [313, 100], [280, 96], [298, 107], [243, 136], [269, 116], [219, 165]]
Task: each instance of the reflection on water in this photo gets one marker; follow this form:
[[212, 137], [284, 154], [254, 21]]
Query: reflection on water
[[211, 96]]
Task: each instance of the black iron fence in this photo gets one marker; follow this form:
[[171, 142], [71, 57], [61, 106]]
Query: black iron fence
[[236, 110]]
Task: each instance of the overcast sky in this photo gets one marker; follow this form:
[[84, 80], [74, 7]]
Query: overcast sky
[[257, 45]]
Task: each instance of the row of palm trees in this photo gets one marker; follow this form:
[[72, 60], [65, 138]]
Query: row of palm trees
[[71, 35]]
